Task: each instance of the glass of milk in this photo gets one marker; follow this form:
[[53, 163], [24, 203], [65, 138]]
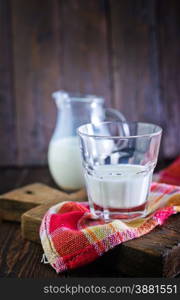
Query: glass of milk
[[64, 159], [119, 159]]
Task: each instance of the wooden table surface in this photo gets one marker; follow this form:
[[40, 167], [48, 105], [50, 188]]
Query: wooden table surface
[[21, 258]]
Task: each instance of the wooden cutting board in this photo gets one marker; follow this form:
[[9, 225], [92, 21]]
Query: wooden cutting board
[[14, 203], [153, 255]]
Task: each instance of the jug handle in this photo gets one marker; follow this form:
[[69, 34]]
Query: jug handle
[[115, 114], [118, 116]]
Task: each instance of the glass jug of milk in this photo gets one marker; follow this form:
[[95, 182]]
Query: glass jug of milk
[[64, 157]]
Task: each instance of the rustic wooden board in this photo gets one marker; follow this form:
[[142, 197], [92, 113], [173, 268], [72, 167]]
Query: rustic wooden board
[[34, 199], [155, 254], [14, 203]]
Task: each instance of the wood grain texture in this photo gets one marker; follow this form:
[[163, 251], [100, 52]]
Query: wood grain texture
[[154, 255], [36, 76], [145, 60], [15, 177], [32, 202], [168, 15], [14, 203], [19, 258], [7, 109], [135, 59], [31, 221], [84, 52], [172, 262], [151, 251]]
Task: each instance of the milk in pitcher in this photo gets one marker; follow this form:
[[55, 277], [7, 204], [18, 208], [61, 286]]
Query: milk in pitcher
[[65, 163]]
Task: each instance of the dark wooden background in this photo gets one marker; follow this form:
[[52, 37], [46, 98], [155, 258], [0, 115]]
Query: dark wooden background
[[125, 50]]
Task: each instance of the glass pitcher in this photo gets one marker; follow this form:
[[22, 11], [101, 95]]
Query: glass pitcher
[[64, 158]]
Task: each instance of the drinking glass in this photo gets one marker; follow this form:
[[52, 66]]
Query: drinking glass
[[118, 162]]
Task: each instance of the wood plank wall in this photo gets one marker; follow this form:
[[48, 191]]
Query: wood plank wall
[[127, 51]]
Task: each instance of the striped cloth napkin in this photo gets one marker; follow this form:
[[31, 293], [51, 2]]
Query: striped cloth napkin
[[71, 237]]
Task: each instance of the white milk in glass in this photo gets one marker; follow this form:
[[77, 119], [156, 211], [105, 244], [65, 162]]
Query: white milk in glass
[[118, 186], [65, 163]]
